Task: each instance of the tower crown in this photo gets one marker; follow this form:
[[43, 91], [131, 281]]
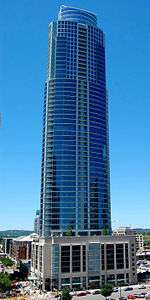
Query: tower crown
[[68, 13]]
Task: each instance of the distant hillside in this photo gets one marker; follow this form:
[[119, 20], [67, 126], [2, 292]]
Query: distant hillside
[[14, 233], [142, 230]]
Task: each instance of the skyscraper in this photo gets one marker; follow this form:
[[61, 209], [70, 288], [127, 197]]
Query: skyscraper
[[75, 186], [75, 196]]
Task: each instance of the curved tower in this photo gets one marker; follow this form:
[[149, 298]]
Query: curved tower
[[75, 183]]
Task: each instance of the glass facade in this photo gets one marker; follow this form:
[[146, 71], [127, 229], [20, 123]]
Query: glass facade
[[65, 259], [76, 259], [120, 256], [94, 259], [75, 187], [110, 256], [55, 261]]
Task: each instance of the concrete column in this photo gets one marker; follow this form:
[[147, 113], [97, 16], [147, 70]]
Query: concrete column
[[124, 261], [59, 266], [27, 251], [87, 263], [33, 257], [38, 258], [115, 264], [100, 271], [81, 258], [105, 262], [71, 266]]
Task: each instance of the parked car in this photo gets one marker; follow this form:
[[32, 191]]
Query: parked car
[[88, 293], [96, 292], [142, 287], [131, 296], [81, 294], [115, 289], [122, 298], [128, 288], [139, 295]]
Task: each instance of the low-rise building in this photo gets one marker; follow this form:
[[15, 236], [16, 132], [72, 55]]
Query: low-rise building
[[124, 231], [21, 247], [8, 245], [129, 231], [84, 262], [139, 242]]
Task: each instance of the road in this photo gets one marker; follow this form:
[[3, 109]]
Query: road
[[115, 296], [135, 290]]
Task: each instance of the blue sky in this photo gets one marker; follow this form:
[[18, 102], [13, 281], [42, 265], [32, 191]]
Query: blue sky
[[23, 60]]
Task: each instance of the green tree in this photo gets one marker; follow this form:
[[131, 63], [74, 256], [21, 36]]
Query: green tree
[[107, 289], [6, 261], [66, 294], [69, 231], [105, 231], [5, 282]]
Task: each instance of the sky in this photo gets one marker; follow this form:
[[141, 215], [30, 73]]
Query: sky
[[23, 64]]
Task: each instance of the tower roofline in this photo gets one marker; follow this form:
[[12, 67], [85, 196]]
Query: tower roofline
[[70, 13], [77, 8]]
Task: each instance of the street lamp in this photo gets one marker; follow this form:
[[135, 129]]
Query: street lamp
[[120, 295]]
